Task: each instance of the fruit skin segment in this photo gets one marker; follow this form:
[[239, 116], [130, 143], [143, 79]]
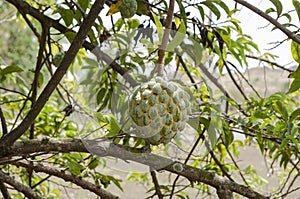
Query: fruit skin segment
[[128, 8], [159, 110]]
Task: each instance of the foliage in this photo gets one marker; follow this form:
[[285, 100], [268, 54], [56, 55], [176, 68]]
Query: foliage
[[90, 103]]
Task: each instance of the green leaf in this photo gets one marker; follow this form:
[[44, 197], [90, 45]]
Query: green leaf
[[259, 114], [282, 110], [225, 36], [201, 11], [295, 49], [295, 114], [278, 6], [67, 15], [133, 23], [100, 95], [222, 5], [84, 4], [10, 69], [228, 135], [212, 7], [142, 8], [182, 10], [109, 122], [116, 182], [295, 74], [296, 4], [214, 126], [158, 26], [70, 36], [294, 86], [93, 163], [179, 37], [74, 167]]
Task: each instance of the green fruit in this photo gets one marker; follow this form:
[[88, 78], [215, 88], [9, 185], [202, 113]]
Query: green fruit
[[159, 109], [128, 8]]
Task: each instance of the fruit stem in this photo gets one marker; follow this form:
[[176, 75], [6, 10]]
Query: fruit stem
[[165, 39]]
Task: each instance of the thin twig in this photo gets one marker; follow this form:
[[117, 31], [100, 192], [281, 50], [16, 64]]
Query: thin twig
[[186, 69], [156, 185], [13, 91], [234, 162], [245, 79], [3, 123], [225, 173], [235, 83], [187, 159], [270, 62]]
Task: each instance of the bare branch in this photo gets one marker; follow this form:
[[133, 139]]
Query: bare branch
[[281, 27], [18, 186], [38, 167]]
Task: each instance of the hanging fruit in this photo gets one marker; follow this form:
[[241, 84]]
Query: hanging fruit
[[128, 8], [159, 109]]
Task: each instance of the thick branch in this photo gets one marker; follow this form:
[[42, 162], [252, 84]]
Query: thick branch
[[10, 138], [37, 167], [18, 186], [273, 21], [105, 148]]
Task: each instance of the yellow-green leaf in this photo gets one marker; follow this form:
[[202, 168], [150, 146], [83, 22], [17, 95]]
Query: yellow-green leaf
[[295, 48], [179, 37], [114, 8]]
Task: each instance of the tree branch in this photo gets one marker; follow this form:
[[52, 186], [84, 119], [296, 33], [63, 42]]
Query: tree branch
[[106, 148], [25, 8], [4, 191], [3, 123], [165, 39], [273, 21], [270, 62], [156, 185], [18, 186], [10, 138], [38, 167]]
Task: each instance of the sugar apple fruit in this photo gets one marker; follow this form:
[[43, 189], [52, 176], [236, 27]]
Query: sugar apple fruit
[[128, 8], [159, 109]]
